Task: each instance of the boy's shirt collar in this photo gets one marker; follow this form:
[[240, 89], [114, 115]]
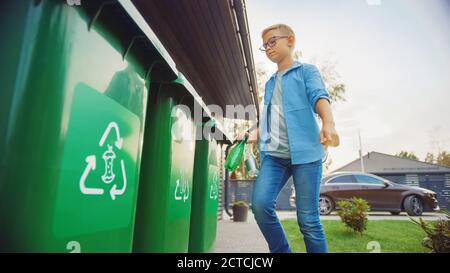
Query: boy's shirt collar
[[294, 65]]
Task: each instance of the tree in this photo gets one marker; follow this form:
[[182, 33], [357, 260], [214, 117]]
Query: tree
[[429, 158], [442, 158], [405, 154]]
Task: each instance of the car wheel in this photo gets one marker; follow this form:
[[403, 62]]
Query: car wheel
[[413, 205], [326, 205], [395, 212]]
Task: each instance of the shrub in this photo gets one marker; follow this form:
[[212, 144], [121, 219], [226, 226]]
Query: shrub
[[354, 214], [438, 233]]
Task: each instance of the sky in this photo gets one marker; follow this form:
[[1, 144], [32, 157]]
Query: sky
[[394, 58]]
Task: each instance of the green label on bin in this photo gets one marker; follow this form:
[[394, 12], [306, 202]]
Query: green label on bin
[[213, 179], [97, 184], [213, 190], [182, 163]]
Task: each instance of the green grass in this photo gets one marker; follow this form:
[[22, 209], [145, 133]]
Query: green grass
[[392, 235]]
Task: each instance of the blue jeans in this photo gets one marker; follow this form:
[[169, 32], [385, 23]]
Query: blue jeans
[[273, 175]]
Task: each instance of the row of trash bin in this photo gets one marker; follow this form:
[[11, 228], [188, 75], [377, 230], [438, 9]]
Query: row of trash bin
[[95, 154]]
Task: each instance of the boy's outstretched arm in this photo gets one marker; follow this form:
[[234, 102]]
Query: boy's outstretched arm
[[328, 133]]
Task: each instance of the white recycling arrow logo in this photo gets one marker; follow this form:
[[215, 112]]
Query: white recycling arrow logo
[[108, 156], [182, 190], [214, 189]]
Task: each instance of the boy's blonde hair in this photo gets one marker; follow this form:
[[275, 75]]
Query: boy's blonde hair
[[284, 29]]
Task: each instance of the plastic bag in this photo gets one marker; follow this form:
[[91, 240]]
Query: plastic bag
[[235, 155]]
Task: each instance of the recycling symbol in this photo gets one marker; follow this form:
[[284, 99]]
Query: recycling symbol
[[181, 189], [109, 156], [214, 189]]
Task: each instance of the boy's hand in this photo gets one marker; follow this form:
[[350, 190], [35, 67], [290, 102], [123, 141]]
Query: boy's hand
[[252, 137], [329, 136]]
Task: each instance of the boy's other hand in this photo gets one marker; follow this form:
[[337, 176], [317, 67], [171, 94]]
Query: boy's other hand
[[329, 136]]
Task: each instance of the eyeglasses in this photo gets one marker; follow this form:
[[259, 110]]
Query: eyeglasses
[[271, 42]]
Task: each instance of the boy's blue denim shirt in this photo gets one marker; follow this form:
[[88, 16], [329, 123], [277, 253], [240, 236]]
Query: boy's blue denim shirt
[[301, 87]]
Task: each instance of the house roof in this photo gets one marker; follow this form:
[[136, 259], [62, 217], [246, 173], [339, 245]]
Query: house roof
[[202, 38], [375, 162]]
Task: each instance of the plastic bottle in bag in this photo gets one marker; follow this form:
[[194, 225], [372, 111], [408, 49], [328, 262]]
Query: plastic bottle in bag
[[235, 156]]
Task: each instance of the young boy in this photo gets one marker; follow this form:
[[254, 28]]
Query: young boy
[[290, 142]]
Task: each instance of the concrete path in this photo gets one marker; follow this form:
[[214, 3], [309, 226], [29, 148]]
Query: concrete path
[[239, 237]]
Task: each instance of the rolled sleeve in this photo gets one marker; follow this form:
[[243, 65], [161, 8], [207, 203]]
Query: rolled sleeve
[[315, 87]]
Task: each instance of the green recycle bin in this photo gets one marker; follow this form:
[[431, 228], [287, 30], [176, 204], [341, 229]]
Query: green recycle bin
[[72, 109], [165, 191], [205, 195]]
